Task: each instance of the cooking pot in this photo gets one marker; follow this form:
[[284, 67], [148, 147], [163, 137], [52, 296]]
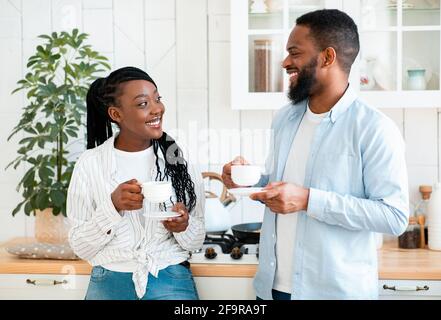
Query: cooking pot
[[248, 233], [217, 216]]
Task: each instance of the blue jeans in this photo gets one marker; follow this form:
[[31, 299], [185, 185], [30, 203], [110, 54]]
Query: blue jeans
[[278, 295], [173, 283]]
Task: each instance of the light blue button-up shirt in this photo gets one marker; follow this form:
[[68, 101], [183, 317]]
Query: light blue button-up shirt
[[357, 177]]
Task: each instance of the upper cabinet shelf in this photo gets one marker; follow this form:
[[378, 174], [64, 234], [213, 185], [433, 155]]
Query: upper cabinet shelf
[[398, 65]]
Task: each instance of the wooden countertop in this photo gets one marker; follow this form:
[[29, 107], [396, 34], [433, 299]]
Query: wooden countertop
[[394, 263]]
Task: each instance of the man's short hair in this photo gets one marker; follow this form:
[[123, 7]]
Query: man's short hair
[[333, 28]]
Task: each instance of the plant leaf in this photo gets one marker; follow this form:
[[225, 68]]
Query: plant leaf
[[57, 197]]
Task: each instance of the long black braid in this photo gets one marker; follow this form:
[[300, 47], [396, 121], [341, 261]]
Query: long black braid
[[103, 93]]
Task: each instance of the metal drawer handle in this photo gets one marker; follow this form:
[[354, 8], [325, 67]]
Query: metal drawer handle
[[45, 282], [405, 288]]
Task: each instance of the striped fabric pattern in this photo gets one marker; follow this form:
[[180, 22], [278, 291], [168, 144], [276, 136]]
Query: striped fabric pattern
[[101, 235]]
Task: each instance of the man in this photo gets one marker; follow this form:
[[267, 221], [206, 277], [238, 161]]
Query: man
[[337, 174]]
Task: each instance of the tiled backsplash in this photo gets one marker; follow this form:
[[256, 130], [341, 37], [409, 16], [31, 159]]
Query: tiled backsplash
[[184, 45]]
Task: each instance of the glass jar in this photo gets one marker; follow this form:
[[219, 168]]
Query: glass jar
[[422, 208], [262, 65], [410, 239]]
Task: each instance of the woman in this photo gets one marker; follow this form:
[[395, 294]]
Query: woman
[[134, 257]]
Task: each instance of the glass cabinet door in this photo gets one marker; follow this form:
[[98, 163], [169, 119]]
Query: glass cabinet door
[[269, 25], [259, 31], [400, 45]]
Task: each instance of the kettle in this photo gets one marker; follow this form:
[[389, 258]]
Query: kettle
[[217, 216]]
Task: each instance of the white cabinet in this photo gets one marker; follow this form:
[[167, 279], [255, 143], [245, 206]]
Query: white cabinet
[[74, 287], [398, 65], [409, 290], [43, 287]]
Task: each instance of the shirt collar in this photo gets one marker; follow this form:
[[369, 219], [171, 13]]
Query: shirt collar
[[109, 158], [343, 104], [339, 108]]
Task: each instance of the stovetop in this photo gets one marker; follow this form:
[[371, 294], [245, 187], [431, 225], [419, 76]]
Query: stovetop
[[226, 249]]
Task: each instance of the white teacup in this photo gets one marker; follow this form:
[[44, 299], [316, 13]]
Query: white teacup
[[157, 191], [245, 175]]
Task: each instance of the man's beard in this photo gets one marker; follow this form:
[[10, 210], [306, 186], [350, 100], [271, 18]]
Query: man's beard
[[305, 81]]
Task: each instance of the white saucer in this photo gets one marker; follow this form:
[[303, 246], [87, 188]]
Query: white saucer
[[161, 215], [244, 192]]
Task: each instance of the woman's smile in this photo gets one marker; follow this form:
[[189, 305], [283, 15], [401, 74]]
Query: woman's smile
[[155, 122]]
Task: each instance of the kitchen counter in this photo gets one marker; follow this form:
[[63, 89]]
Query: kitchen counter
[[394, 263]]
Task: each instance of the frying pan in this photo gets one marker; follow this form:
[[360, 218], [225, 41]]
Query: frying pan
[[248, 233]]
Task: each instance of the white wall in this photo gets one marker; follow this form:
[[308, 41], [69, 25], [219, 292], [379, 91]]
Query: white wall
[[184, 45]]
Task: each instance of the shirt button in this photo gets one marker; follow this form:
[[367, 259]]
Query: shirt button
[[272, 264], [274, 235]]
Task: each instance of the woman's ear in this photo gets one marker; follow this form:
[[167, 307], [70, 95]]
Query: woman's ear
[[115, 114], [329, 57]]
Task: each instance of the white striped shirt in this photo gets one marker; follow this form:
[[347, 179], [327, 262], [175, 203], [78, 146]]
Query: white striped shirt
[[101, 235]]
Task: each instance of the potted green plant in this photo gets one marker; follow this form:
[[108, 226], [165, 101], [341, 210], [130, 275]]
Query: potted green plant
[[59, 75]]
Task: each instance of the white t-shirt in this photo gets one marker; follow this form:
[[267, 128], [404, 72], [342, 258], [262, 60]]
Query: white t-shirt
[[286, 223], [132, 165]]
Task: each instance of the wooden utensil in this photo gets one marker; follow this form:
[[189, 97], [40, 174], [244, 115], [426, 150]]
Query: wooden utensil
[[421, 222]]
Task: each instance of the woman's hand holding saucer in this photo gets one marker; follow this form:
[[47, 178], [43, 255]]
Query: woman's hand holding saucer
[[177, 224]]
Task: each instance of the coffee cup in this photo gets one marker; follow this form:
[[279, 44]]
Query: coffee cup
[[157, 191], [245, 175]]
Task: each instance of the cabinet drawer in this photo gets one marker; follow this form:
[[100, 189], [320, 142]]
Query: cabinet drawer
[[409, 289], [43, 286]]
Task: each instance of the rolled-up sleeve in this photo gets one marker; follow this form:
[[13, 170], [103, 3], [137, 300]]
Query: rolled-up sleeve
[[91, 223], [386, 206], [193, 237]]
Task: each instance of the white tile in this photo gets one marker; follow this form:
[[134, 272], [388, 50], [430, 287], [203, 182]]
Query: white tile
[[224, 122], [218, 6], [159, 45], [110, 58], [255, 135], [156, 10], [10, 9], [127, 52], [219, 28], [219, 74], [97, 4], [397, 115], [17, 4], [420, 175], [191, 37], [10, 27], [420, 132], [37, 18], [10, 66], [99, 25], [129, 20], [9, 149], [10, 227], [29, 226], [252, 211], [193, 124], [66, 15], [202, 167], [224, 142], [164, 75]]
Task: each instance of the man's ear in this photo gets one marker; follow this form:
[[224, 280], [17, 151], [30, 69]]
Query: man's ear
[[329, 57], [115, 114]]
